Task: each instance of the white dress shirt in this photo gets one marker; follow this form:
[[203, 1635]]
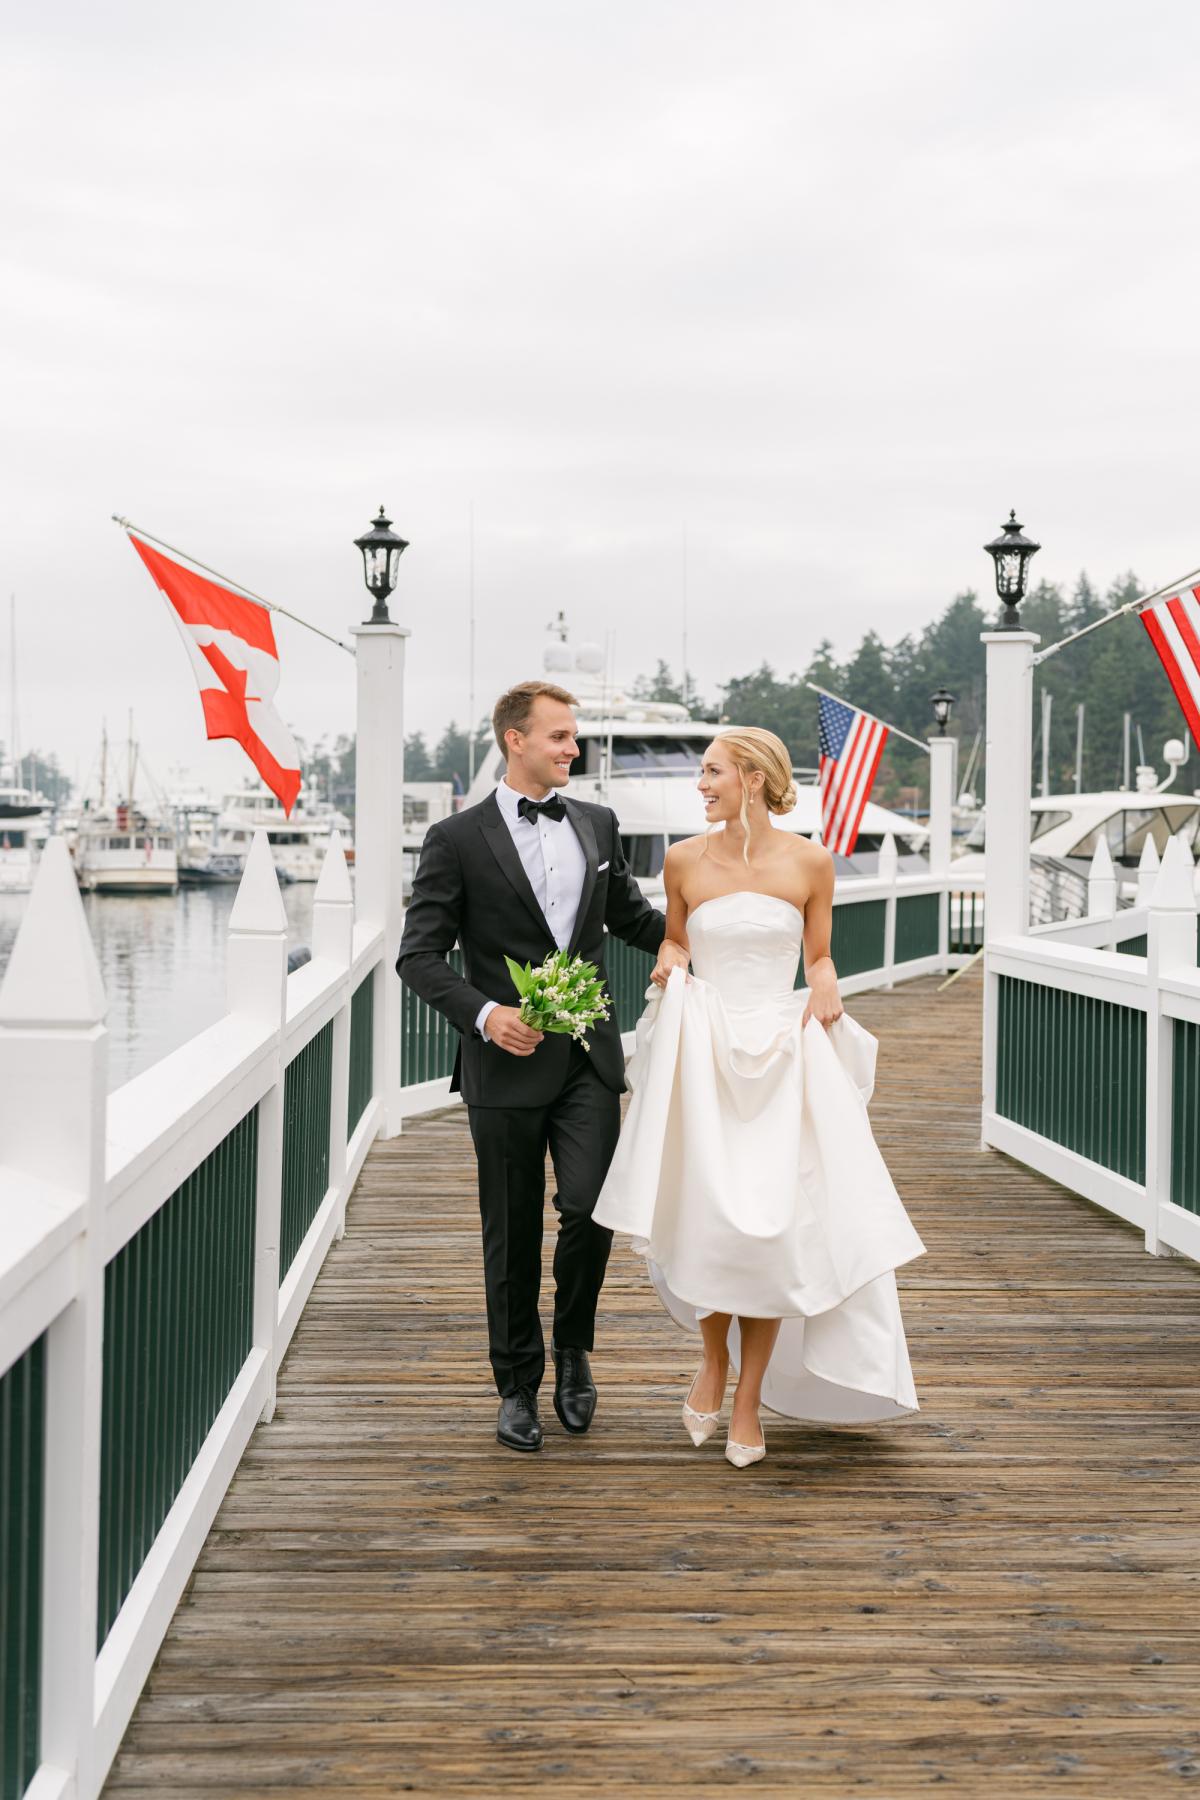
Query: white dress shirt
[[552, 857]]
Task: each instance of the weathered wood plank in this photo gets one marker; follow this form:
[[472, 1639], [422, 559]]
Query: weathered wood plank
[[998, 1596]]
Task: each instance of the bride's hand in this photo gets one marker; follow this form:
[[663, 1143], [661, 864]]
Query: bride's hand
[[824, 1001], [670, 956]]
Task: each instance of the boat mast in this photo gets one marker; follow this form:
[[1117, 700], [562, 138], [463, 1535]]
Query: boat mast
[[1079, 748], [471, 648], [13, 754]]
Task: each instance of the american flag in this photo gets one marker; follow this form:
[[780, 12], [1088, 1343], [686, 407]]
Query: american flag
[[1174, 627], [851, 744]]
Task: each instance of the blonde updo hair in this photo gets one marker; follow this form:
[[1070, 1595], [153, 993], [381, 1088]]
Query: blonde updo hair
[[755, 750]]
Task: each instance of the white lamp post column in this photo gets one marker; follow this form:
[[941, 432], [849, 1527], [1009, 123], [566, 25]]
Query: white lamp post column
[[379, 833]]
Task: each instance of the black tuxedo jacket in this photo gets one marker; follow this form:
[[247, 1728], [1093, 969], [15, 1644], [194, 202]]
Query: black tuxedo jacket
[[471, 889]]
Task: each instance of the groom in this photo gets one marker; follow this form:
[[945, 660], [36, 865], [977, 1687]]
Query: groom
[[522, 874]]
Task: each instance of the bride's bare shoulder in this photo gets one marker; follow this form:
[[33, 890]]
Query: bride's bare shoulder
[[685, 851], [811, 864]]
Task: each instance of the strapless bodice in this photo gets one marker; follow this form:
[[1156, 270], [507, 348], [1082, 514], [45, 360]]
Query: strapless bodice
[[748, 947]]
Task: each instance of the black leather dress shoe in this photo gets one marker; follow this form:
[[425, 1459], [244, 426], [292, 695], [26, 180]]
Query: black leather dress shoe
[[574, 1389], [517, 1422]]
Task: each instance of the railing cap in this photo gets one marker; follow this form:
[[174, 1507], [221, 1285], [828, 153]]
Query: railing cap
[[53, 978]]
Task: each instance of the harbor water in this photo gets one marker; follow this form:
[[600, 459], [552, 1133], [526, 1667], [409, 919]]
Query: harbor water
[[162, 960]]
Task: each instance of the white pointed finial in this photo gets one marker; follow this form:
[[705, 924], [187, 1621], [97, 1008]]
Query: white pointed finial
[[1102, 863], [53, 977], [259, 904], [334, 888], [1173, 890], [1147, 870]]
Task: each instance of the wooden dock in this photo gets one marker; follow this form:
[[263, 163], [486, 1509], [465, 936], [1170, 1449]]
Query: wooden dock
[[999, 1596]]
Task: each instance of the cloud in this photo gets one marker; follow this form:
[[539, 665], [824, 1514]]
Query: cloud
[[833, 288]]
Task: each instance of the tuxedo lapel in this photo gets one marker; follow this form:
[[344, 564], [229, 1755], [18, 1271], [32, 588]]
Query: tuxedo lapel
[[585, 832], [498, 839]]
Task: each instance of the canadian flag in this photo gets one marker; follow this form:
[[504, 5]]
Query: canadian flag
[[236, 664]]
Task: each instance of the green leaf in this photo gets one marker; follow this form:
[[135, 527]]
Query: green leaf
[[522, 978]]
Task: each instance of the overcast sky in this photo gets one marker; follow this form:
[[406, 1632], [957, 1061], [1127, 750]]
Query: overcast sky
[[832, 286]]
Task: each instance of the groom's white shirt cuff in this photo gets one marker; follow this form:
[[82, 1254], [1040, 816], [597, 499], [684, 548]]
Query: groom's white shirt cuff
[[489, 1006]]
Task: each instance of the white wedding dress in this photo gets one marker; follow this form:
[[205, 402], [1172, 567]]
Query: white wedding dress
[[747, 1174]]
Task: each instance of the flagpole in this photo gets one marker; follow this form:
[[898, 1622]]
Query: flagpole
[[894, 729], [128, 527], [1130, 606]]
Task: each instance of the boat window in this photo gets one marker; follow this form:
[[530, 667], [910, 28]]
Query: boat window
[[646, 755], [1185, 819], [645, 852], [1126, 831], [162, 843], [1047, 820], [116, 843]]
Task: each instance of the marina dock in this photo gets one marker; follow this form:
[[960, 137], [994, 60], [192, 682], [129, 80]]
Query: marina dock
[[993, 1597]]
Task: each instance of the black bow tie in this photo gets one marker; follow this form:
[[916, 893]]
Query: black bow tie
[[533, 810]]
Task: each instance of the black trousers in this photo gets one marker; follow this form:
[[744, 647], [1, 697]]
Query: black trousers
[[579, 1128]]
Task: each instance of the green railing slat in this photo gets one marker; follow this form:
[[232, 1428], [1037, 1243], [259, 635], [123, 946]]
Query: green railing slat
[[628, 970], [362, 1051], [307, 1095], [1073, 1069], [22, 1488], [857, 940], [916, 926], [178, 1324], [1185, 1116], [428, 1042]]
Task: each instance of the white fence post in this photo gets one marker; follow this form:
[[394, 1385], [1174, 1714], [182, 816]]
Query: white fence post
[[1170, 946], [1009, 752], [53, 1101], [889, 868], [256, 988], [333, 942], [943, 758], [1147, 871], [1102, 884], [379, 834]]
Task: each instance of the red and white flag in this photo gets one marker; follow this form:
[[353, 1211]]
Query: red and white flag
[[851, 744], [1174, 627], [232, 648]]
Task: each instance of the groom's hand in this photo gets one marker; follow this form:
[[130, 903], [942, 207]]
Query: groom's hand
[[506, 1028]]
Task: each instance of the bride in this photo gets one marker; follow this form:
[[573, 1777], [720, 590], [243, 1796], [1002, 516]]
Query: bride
[[746, 1172]]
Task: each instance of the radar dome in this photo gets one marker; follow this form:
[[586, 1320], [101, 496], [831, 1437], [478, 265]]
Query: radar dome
[[556, 659], [589, 658]]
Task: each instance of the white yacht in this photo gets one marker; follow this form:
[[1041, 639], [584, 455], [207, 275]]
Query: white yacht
[[642, 758], [298, 844], [1066, 829], [123, 850], [24, 825]]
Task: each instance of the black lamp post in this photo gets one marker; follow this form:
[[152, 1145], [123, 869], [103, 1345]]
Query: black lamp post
[[942, 702], [381, 553], [1011, 552]]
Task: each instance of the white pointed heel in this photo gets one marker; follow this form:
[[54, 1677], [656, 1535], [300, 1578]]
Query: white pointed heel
[[699, 1425], [742, 1455]]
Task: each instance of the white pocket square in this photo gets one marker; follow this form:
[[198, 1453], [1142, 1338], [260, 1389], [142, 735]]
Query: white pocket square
[[602, 868]]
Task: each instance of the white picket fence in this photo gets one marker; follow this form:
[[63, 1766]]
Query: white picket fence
[[1084, 1042], [86, 1174]]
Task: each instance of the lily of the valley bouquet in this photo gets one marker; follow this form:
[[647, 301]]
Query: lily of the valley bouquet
[[563, 994]]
